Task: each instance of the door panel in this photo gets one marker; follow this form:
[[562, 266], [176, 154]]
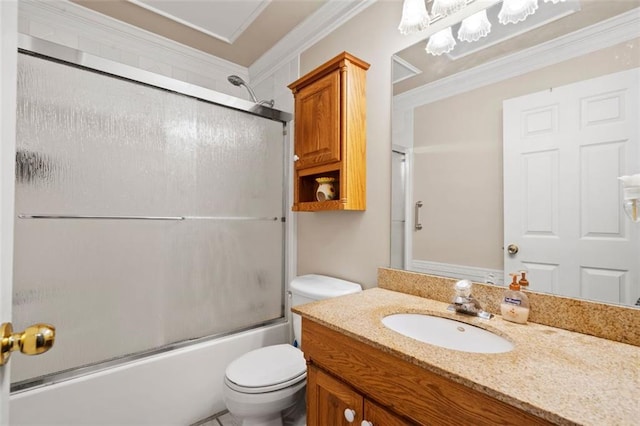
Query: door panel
[[318, 127], [328, 398], [564, 150]]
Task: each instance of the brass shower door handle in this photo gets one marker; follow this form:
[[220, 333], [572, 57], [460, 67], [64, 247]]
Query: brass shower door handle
[[34, 340]]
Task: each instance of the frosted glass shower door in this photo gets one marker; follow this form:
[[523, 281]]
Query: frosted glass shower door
[[167, 220]]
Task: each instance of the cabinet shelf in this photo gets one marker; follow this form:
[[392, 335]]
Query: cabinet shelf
[[330, 134], [315, 206]]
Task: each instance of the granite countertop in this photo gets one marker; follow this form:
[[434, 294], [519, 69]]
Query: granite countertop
[[562, 376]]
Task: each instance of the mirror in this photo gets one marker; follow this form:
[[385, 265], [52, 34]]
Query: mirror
[[448, 176]]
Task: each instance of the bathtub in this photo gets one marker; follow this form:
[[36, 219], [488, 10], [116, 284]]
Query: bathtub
[[178, 387]]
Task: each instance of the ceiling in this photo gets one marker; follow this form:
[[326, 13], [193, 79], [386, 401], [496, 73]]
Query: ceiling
[[239, 31]]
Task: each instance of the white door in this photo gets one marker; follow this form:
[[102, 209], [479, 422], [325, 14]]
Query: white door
[[563, 151], [8, 60]]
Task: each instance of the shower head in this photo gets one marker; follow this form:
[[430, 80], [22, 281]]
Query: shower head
[[238, 81]]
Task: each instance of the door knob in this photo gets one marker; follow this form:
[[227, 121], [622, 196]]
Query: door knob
[[512, 249], [34, 340]]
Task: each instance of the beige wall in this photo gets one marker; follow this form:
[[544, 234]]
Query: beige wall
[[352, 245], [458, 161]]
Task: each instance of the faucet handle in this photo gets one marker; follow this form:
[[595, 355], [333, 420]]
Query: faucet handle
[[463, 288]]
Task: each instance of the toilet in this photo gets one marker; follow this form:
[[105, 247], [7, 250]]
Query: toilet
[[267, 385]]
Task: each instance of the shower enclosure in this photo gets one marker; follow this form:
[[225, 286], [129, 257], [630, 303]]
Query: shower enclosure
[[149, 213]]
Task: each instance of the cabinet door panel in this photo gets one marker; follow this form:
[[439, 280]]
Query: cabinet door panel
[[328, 398], [318, 122], [380, 416]]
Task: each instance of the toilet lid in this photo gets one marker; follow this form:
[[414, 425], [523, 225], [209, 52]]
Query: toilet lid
[[268, 368]]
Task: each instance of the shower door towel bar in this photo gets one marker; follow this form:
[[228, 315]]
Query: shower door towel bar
[[60, 216]]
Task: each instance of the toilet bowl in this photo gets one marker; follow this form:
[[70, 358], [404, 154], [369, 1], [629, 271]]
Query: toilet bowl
[[264, 383], [268, 384]]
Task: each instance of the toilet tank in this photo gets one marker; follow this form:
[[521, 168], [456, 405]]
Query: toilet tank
[[310, 288]]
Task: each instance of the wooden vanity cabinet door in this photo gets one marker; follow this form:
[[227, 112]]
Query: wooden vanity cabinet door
[[380, 416], [328, 398], [317, 113]]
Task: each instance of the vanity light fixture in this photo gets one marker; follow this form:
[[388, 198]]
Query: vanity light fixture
[[416, 17], [631, 193]]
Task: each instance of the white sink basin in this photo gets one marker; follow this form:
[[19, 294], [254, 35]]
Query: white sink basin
[[447, 333]]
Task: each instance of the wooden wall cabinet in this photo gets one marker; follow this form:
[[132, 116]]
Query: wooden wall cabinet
[[330, 134], [386, 390]]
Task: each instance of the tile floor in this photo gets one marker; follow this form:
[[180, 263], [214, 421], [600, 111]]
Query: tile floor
[[222, 420], [296, 416], [227, 420]]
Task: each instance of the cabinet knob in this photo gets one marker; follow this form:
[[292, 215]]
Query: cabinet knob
[[349, 415], [295, 157], [366, 423]]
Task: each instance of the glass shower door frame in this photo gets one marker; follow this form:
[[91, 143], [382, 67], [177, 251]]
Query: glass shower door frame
[[41, 48]]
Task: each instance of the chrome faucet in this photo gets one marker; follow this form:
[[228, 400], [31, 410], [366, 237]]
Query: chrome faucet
[[465, 303]]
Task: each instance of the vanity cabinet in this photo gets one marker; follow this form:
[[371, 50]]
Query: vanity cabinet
[[330, 134], [332, 402], [344, 373]]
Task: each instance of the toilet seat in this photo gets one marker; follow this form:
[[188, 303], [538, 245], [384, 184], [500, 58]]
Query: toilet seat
[[267, 369]]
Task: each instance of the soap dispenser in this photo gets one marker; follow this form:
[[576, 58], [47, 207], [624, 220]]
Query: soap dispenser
[[515, 304]]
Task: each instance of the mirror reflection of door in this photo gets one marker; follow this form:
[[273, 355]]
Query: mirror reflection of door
[[398, 208], [564, 149], [449, 115]]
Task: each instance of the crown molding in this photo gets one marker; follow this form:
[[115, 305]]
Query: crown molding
[[316, 27], [595, 37], [75, 19]]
